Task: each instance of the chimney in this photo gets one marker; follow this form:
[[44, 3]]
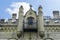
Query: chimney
[[55, 14], [2, 20], [14, 15]]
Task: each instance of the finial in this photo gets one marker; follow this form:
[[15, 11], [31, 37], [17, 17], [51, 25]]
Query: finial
[[21, 9], [21, 6], [40, 6], [30, 6]]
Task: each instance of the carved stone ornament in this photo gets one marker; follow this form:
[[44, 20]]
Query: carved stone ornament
[[41, 34], [19, 34]]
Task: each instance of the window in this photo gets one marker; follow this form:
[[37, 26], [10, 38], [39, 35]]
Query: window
[[30, 21]]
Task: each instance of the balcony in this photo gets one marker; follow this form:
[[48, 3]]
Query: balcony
[[30, 28]]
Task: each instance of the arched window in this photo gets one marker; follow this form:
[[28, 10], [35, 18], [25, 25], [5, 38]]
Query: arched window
[[30, 20]]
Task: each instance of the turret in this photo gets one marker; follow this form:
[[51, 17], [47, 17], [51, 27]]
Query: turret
[[56, 14], [20, 22], [20, 17], [40, 22], [14, 16], [40, 19]]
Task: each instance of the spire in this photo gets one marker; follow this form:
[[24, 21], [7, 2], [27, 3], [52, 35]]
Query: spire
[[30, 6]]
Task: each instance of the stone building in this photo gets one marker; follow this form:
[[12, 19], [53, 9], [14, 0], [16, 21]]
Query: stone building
[[31, 26]]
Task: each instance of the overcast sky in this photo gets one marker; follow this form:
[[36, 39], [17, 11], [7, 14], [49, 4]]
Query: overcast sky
[[7, 7]]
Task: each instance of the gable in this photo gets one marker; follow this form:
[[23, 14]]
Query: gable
[[30, 13]]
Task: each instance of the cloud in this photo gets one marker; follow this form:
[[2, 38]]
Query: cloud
[[14, 7]]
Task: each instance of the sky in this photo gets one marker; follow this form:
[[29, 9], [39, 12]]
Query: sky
[[8, 7]]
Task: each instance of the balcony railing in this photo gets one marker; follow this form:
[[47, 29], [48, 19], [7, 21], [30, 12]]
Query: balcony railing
[[27, 26]]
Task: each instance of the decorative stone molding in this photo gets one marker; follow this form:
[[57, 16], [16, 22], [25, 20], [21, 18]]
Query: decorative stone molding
[[19, 34], [41, 34]]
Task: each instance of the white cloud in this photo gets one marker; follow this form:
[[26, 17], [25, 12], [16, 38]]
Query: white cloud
[[14, 7]]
